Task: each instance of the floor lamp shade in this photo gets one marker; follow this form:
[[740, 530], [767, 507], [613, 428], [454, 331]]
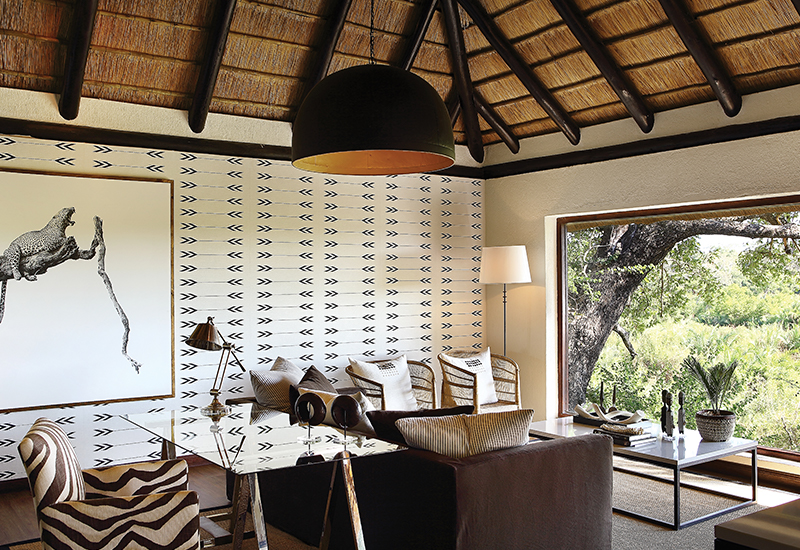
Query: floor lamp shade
[[504, 264], [372, 120]]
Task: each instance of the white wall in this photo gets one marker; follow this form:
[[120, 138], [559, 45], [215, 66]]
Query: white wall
[[521, 210]]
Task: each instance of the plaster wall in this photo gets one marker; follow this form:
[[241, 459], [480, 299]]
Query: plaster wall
[[523, 210]]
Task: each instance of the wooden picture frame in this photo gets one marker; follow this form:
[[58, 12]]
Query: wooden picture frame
[[86, 308]]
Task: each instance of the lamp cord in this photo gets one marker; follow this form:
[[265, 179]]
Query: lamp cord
[[372, 32]]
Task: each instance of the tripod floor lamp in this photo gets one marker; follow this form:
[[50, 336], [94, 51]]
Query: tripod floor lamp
[[506, 265]]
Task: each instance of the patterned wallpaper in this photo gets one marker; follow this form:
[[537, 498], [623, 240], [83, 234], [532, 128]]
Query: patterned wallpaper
[[304, 266]]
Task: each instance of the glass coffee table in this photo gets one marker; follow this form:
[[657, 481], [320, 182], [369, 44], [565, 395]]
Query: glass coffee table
[[675, 455], [253, 439]]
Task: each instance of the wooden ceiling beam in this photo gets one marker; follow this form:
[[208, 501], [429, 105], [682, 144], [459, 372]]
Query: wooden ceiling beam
[[207, 79], [332, 32], [498, 125], [77, 53], [522, 70], [716, 75], [458, 53], [415, 42], [602, 59]]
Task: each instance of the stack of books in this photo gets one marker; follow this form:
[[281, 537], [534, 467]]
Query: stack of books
[[627, 437]]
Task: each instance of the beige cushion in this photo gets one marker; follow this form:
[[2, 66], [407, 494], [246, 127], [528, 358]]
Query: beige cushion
[[465, 435], [271, 388], [393, 374], [363, 427], [480, 364]]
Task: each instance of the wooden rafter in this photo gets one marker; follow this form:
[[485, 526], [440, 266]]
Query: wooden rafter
[[498, 125], [332, 32], [207, 79], [415, 42], [77, 54], [463, 82], [522, 70], [613, 74], [717, 77]]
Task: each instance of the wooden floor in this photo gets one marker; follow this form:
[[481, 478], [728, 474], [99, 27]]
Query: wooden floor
[[18, 517]]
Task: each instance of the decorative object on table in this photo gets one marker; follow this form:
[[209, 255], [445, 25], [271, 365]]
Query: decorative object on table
[[681, 414], [303, 408], [627, 436], [506, 265], [341, 126], [714, 424], [346, 413], [206, 337], [598, 417], [667, 420]]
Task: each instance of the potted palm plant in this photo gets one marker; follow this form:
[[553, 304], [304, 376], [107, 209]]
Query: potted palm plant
[[714, 424]]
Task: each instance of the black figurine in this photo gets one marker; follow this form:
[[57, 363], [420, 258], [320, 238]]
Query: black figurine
[[681, 414]]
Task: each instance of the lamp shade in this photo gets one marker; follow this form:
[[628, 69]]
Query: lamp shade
[[372, 120], [205, 337], [504, 264]]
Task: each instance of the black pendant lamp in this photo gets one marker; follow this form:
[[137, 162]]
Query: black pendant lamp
[[372, 120]]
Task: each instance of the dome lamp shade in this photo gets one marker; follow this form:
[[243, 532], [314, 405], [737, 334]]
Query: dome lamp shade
[[372, 120]]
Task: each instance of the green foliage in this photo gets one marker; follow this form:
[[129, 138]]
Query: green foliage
[[716, 380]]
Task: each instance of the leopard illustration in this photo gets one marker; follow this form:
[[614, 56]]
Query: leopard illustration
[[48, 239]]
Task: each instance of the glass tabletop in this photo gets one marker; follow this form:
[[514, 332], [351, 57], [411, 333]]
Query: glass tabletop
[[251, 438]]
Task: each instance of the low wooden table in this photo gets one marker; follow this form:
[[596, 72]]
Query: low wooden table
[[675, 455], [776, 528]]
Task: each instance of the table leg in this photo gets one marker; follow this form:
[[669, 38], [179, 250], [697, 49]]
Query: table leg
[[259, 526], [754, 471], [352, 504], [167, 450], [677, 498], [241, 497]]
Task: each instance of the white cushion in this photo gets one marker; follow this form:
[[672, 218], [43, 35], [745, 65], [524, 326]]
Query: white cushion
[[464, 435], [481, 365], [271, 388], [393, 374], [364, 426]]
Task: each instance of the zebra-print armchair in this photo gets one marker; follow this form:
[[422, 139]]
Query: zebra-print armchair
[[144, 505]]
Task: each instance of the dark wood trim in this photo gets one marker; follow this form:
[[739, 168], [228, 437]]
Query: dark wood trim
[[561, 284], [83, 17], [498, 125], [207, 79], [717, 77], [415, 41], [645, 147], [463, 82], [332, 31], [522, 70], [734, 471], [14, 485], [602, 59], [83, 134]]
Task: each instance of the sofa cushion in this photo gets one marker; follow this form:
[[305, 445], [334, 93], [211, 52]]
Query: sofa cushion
[[480, 364], [271, 388], [384, 421], [312, 380], [464, 435], [363, 427], [394, 376]]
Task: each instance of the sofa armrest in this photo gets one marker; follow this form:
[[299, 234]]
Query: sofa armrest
[[142, 478]]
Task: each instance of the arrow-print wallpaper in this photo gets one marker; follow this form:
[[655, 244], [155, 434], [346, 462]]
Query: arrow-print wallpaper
[[309, 267]]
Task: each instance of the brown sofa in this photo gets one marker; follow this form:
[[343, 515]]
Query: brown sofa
[[548, 495]]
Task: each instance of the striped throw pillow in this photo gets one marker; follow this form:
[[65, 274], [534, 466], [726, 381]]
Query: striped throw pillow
[[464, 435], [271, 388]]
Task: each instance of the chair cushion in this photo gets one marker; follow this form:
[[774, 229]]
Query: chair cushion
[[479, 363], [271, 388], [464, 435], [51, 464], [394, 376], [363, 427], [384, 421]]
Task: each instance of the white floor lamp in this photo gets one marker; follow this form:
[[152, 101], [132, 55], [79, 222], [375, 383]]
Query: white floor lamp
[[506, 265]]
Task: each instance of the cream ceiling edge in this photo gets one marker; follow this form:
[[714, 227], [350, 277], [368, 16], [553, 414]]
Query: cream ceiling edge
[[781, 102]]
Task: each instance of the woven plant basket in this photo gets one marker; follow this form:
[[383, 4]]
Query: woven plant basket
[[715, 427]]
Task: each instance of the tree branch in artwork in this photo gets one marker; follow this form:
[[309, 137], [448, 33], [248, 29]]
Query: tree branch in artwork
[[35, 252]]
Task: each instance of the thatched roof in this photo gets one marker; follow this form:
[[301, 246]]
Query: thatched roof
[[585, 56]]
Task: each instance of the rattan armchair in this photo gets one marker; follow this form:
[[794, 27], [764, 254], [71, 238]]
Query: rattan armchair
[[459, 387], [423, 382]]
